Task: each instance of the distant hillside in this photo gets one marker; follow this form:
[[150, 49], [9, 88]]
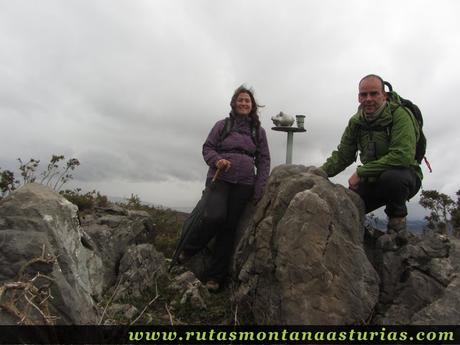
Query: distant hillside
[[416, 225], [183, 209]]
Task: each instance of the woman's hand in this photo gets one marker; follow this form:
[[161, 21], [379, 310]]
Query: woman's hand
[[223, 164]]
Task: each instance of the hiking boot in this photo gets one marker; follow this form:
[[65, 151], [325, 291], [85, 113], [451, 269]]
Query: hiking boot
[[396, 224], [212, 285]]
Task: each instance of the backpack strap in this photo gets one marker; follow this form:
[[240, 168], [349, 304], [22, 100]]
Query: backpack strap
[[228, 125], [227, 128], [389, 128], [255, 138], [412, 110]]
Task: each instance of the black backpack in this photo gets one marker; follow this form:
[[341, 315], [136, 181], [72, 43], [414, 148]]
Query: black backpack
[[411, 109], [228, 126]]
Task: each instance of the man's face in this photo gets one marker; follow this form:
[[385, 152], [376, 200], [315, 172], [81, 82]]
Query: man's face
[[371, 96]]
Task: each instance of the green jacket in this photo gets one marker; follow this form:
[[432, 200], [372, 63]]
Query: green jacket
[[395, 133]]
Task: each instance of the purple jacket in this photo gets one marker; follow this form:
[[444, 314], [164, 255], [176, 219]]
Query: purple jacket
[[243, 166]]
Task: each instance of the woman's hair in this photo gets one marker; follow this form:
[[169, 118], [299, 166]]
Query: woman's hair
[[255, 107]]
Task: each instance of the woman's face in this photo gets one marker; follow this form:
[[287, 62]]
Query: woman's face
[[243, 104]]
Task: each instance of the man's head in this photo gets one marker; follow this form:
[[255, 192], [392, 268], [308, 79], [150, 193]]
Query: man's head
[[372, 93]]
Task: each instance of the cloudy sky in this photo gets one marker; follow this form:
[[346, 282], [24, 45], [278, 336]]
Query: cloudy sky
[[132, 87]]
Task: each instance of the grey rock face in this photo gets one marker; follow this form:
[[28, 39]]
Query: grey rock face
[[419, 278], [126, 311], [444, 310], [46, 247], [40, 234], [111, 231], [301, 259], [138, 270], [190, 289]]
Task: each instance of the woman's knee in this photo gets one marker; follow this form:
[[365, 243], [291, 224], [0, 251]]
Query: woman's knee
[[214, 218]]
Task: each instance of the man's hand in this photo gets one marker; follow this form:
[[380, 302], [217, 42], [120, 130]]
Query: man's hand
[[353, 182], [223, 164]]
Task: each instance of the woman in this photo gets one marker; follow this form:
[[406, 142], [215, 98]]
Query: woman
[[237, 146]]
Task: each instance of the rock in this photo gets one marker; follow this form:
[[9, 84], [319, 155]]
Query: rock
[[301, 259], [111, 231], [139, 270], [419, 278], [138, 213], [112, 209], [40, 234], [191, 289], [126, 311]]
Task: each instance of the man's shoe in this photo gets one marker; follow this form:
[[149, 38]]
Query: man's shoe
[[212, 285], [396, 224]]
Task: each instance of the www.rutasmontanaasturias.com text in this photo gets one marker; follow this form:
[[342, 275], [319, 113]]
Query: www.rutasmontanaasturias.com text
[[291, 336]]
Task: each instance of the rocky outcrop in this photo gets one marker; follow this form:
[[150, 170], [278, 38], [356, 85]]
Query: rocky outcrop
[[190, 289], [57, 264], [419, 275], [303, 256], [110, 231], [301, 259], [42, 254], [139, 270]]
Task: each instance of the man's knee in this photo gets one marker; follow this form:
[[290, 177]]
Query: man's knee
[[394, 179]]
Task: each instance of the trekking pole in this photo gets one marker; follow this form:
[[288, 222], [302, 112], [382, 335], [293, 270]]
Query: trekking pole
[[191, 222], [216, 175]]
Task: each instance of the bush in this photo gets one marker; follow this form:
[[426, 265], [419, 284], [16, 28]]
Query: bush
[[7, 182], [85, 201], [134, 203], [168, 223], [54, 176]]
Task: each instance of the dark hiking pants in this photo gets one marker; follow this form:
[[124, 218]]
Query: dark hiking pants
[[393, 188], [224, 208]]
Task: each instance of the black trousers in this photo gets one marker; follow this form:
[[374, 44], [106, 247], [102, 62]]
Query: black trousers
[[224, 208], [393, 188]]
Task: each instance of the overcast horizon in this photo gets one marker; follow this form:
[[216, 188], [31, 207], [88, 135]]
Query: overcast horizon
[[132, 88]]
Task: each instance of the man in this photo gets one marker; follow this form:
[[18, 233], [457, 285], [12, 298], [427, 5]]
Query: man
[[385, 134]]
